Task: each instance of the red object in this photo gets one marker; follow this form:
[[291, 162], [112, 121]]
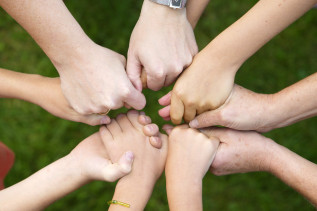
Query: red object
[[6, 162]]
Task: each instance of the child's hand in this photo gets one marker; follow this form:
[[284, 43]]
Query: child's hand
[[200, 88], [240, 152], [125, 134], [91, 160], [52, 99], [190, 154]]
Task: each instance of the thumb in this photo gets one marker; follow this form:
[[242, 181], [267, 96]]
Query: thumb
[[168, 129], [134, 69], [135, 99], [96, 119], [207, 119], [115, 171]]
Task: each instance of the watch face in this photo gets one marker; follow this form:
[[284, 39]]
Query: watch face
[[176, 3]]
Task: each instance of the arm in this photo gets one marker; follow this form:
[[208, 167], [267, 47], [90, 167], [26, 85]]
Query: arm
[[190, 155], [258, 153], [163, 43], [149, 162], [88, 161], [246, 110], [85, 68], [45, 92], [224, 55]]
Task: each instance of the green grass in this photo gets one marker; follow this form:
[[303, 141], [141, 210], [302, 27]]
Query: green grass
[[38, 138]]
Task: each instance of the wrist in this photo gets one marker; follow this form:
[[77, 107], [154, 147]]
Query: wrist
[[162, 12], [134, 191], [72, 52], [271, 154]]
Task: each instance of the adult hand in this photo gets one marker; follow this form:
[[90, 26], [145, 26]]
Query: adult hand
[[163, 43], [202, 87], [96, 82], [240, 152]]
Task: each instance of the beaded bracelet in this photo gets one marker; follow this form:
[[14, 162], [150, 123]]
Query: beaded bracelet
[[118, 203]]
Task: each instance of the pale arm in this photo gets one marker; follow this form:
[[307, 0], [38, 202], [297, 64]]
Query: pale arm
[[296, 172], [51, 25], [42, 188], [195, 9], [254, 29]]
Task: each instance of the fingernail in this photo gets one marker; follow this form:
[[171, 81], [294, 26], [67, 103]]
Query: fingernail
[[193, 123], [155, 139], [129, 155], [105, 120], [149, 128]]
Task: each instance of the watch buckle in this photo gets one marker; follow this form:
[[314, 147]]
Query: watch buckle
[[176, 4]]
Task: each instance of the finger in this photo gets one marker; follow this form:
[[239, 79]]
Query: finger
[[212, 132], [155, 82], [134, 71], [143, 79], [168, 129], [151, 130], [95, 119], [144, 120], [207, 119], [166, 99], [170, 79], [127, 106], [105, 134], [114, 128], [124, 122], [135, 99], [177, 109], [133, 117], [156, 142], [113, 172], [165, 112], [189, 114], [167, 118]]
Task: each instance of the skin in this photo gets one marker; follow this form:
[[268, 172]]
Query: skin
[[241, 152], [91, 75], [125, 133], [208, 82], [247, 110], [88, 161], [190, 154], [163, 43]]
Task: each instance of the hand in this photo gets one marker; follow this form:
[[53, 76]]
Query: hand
[[125, 133], [190, 153], [92, 161], [240, 152], [96, 81], [163, 43], [52, 100], [202, 87], [244, 110]]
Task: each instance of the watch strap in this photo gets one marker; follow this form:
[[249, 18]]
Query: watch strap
[[176, 4]]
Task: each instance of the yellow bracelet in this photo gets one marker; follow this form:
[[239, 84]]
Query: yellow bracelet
[[118, 203]]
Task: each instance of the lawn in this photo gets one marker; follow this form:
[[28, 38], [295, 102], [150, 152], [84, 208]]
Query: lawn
[[38, 138]]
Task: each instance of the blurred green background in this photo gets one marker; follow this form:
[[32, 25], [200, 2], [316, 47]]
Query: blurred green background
[[38, 138]]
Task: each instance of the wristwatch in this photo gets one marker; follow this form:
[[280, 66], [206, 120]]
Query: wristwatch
[[175, 4]]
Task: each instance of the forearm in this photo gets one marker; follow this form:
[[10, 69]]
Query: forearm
[[42, 188], [295, 171], [195, 9], [51, 25], [294, 103], [259, 25], [133, 190], [184, 194]]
